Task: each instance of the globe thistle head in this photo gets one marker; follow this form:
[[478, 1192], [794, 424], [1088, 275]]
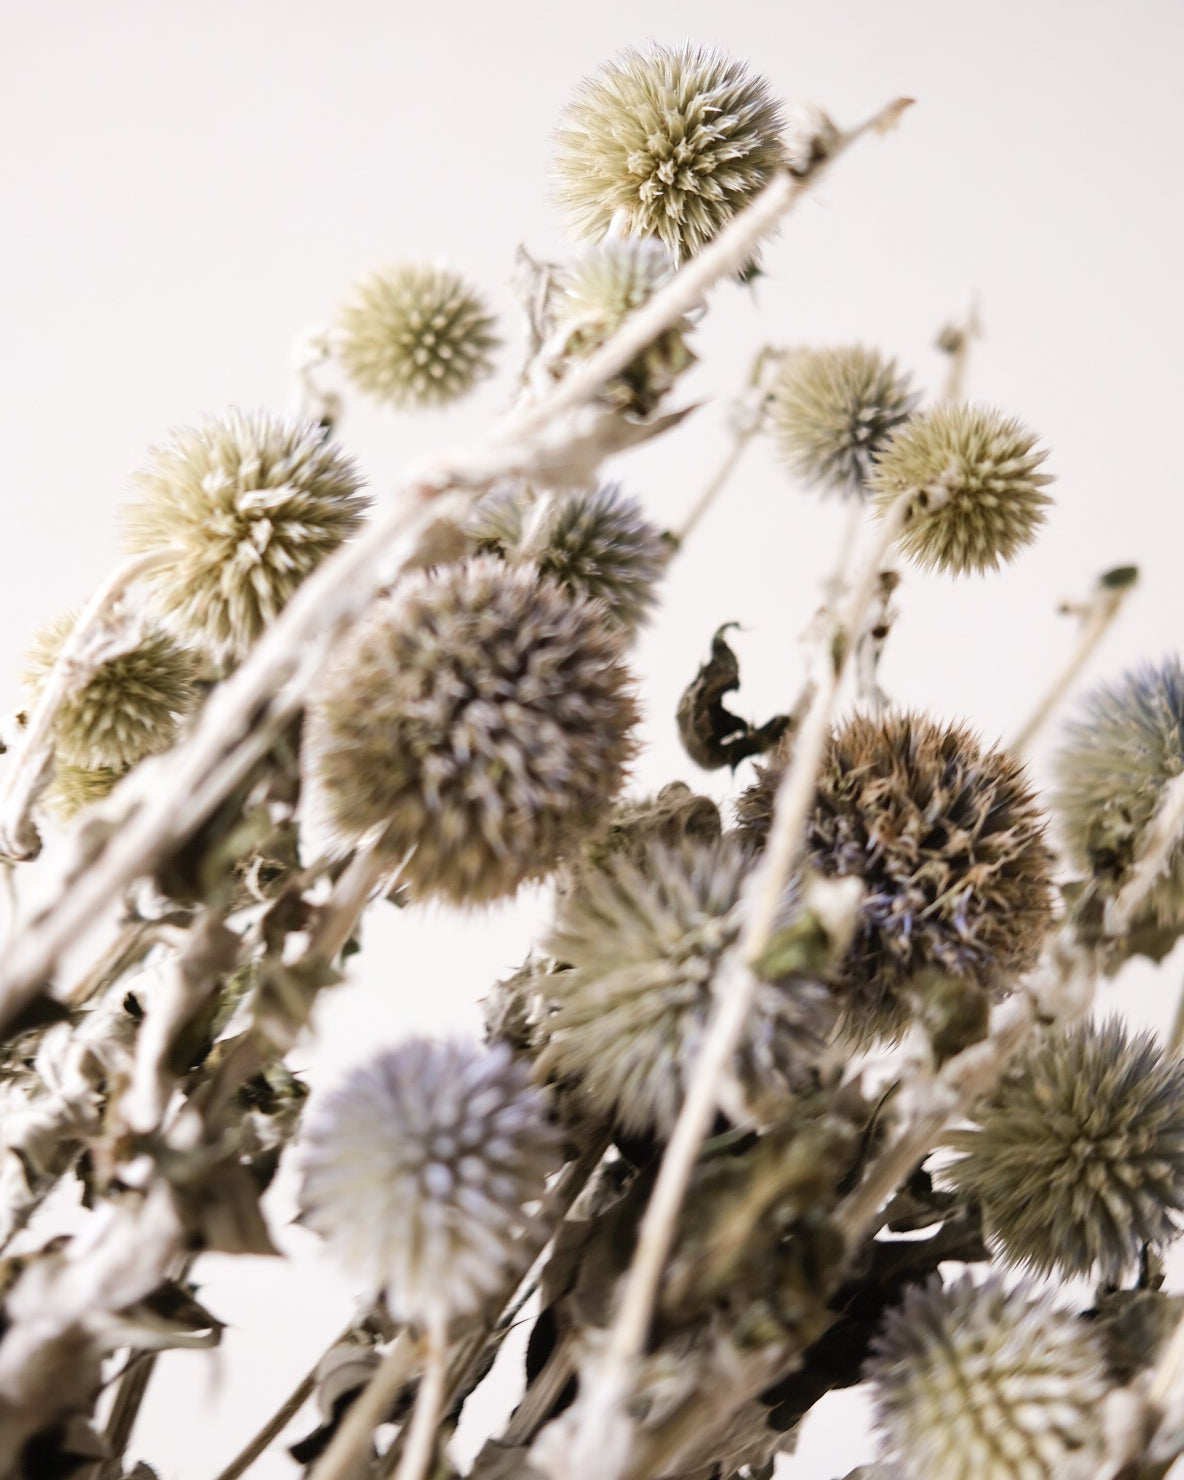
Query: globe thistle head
[[642, 939], [673, 142], [482, 715], [251, 502], [418, 1171], [602, 289], [983, 1381], [946, 837], [595, 542], [1078, 1157], [831, 411], [969, 474], [128, 708], [415, 335], [1125, 745], [74, 788]]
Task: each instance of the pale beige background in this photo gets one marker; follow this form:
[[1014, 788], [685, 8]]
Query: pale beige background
[[185, 186]]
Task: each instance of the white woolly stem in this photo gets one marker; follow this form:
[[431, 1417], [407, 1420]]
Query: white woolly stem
[[1159, 842], [429, 1403], [741, 437], [349, 1445]]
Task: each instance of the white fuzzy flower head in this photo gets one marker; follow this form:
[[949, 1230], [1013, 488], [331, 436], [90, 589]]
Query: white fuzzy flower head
[[420, 1169], [252, 503]]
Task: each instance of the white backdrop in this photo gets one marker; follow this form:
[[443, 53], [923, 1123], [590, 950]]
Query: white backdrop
[[186, 186]]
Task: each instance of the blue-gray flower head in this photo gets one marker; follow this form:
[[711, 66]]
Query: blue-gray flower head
[[252, 503], [1124, 746], [1078, 1156], [419, 1172], [676, 139], [484, 716], [643, 938], [982, 1382], [415, 335]]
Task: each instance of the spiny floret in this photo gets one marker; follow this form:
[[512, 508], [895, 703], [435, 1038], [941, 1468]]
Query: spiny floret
[[970, 476], [676, 140], [985, 1382], [418, 1172], [482, 715], [832, 410], [128, 708], [252, 503], [948, 841], [74, 788], [595, 542], [415, 335], [1078, 1156], [642, 939], [1123, 748]]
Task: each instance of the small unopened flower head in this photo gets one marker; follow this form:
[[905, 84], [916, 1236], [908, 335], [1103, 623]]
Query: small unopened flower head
[[418, 1172], [595, 542], [251, 502], [970, 476], [128, 708], [415, 335], [482, 715], [643, 938], [605, 286], [948, 841], [74, 788], [985, 1382], [1078, 1156], [1122, 749], [832, 410], [670, 142]]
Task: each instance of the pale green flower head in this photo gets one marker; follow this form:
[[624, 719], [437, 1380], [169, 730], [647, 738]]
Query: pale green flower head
[[75, 788]]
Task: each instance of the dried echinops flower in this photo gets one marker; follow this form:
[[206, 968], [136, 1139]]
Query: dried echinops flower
[[1122, 749], [831, 411], [415, 335], [595, 542], [251, 502], [946, 838], [1078, 1155], [643, 938], [419, 1169], [74, 788], [128, 708], [978, 470], [985, 1382], [670, 143], [483, 716]]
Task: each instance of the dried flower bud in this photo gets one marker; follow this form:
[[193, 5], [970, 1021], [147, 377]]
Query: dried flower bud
[[985, 1382], [1120, 752], [251, 502], [128, 708], [596, 542], [946, 838], [977, 468], [1078, 1158], [74, 788], [415, 335], [418, 1171], [643, 940], [483, 715], [832, 410], [675, 140]]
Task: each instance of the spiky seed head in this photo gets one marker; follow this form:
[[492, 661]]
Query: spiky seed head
[[676, 815], [643, 939], [676, 140], [603, 288], [948, 841], [74, 788], [484, 716], [595, 542], [128, 708], [970, 476], [986, 1382], [831, 411], [251, 502], [415, 335], [1078, 1156], [419, 1169], [1122, 749]]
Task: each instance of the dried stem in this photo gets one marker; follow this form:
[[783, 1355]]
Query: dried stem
[[955, 340], [272, 1429], [369, 868], [429, 1403], [747, 425], [1159, 842], [348, 1446]]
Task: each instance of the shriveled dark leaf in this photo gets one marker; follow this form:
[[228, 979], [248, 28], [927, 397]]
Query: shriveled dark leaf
[[711, 735]]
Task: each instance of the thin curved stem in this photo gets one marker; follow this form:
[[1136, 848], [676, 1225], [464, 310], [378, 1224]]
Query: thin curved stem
[[429, 1404], [349, 1444], [272, 1429]]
